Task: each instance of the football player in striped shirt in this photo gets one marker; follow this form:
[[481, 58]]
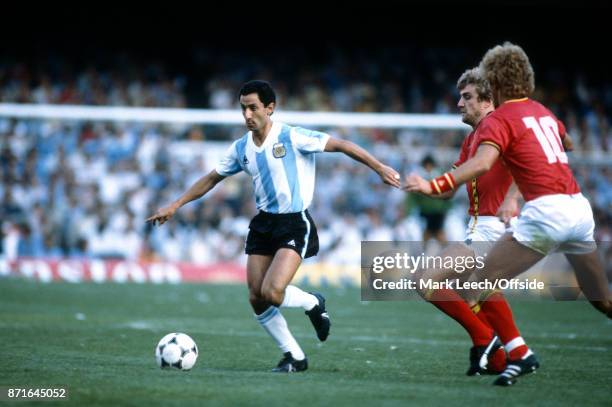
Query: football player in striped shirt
[[281, 161]]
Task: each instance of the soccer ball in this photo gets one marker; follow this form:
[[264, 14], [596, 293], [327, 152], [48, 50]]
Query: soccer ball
[[176, 350]]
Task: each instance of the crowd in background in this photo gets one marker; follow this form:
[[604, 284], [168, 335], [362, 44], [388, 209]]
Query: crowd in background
[[84, 189], [400, 80]]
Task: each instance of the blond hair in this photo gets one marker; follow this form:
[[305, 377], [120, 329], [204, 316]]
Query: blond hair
[[508, 70]]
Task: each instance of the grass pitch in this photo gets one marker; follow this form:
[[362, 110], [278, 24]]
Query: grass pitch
[[99, 341]]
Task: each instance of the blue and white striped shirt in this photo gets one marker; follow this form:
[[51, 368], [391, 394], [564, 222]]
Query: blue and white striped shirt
[[283, 167]]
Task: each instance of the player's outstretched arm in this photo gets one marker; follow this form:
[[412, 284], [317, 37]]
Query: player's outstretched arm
[[482, 162], [416, 183], [387, 174], [479, 164], [197, 190]]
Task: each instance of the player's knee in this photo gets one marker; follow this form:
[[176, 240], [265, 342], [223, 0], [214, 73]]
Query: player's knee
[[273, 294], [472, 297], [255, 295], [425, 293]]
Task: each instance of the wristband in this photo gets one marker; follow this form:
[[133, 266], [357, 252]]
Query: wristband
[[442, 184]]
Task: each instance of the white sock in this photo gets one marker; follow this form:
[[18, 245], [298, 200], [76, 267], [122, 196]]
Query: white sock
[[294, 297], [514, 343], [275, 324]]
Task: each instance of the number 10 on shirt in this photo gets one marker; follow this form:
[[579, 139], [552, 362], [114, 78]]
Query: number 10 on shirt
[[546, 131]]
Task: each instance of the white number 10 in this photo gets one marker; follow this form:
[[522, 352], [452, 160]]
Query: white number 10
[[547, 133]]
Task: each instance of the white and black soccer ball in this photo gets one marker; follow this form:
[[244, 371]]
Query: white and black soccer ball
[[176, 350]]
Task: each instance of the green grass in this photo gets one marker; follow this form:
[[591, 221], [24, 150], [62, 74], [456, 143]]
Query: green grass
[[379, 353]]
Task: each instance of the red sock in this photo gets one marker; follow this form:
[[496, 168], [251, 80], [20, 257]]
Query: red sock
[[481, 315], [449, 302], [497, 362], [499, 315]]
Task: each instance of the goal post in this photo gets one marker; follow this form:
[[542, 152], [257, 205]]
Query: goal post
[[228, 117]]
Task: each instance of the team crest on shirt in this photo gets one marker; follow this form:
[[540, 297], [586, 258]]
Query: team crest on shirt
[[245, 160], [278, 150]]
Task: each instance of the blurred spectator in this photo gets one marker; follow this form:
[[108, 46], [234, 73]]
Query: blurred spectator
[[433, 211]]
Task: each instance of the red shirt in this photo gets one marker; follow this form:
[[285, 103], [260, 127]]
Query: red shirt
[[529, 138], [488, 191]]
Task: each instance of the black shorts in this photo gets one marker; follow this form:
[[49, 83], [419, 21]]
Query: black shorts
[[269, 232], [434, 222]]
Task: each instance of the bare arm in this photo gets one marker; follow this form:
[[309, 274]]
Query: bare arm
[[482, 162], [447, 194], [510, 206], [387, 174], [196, 191], [479, 164]]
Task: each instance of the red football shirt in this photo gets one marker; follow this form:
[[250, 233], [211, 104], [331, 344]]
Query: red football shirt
[[529, 138], [488, 191]]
